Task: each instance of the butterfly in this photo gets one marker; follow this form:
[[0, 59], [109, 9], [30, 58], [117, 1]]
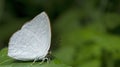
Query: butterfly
[[32, 41]]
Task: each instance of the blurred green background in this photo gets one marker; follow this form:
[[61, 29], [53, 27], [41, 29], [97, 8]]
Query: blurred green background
[[85, 33]]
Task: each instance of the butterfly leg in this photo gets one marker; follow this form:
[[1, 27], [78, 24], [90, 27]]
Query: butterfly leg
[[43, 60], [48, 60], [34, 61]]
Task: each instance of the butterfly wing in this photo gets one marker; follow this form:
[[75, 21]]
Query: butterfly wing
[[40, 26], [32, 41]]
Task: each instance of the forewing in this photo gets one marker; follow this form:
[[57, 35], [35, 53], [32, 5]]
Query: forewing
[[40, 26]]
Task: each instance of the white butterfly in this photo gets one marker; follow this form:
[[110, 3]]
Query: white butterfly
[[32, 41]]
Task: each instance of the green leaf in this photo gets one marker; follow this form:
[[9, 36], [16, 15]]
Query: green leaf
[[6, 61]]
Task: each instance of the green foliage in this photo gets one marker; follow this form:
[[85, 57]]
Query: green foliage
[[88, 45]]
